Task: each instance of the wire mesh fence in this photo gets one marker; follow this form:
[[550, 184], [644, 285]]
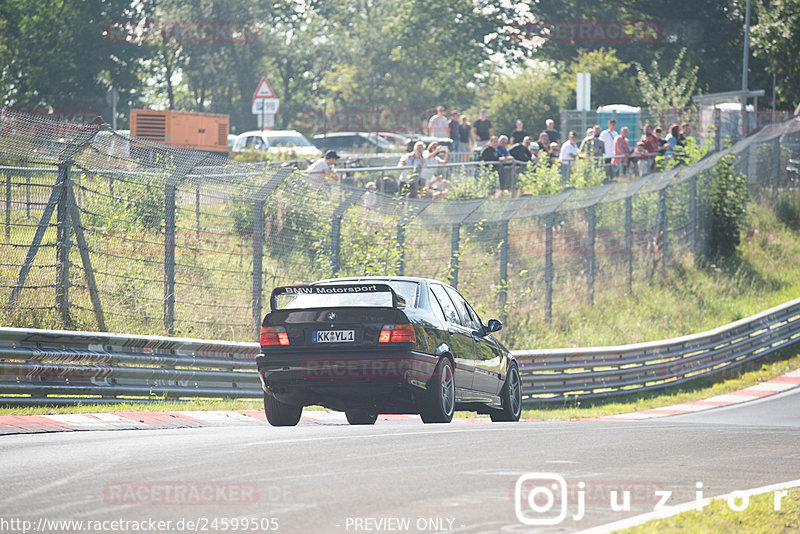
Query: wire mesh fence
[[111, 233]]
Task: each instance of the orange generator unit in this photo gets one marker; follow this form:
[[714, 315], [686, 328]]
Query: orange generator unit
[[184, 129]]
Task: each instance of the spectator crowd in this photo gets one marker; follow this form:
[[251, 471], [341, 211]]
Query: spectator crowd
[[612, 149]]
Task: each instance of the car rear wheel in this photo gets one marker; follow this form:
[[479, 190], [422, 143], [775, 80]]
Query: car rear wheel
[[361, 417], [511, 396], [280, 414], [440, 399]]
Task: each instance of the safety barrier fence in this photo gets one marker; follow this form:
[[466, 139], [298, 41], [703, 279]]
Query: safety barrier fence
[[142, 238], [61, 367]]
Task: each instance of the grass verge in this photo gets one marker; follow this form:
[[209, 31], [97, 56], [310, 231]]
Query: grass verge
[[760, 517]]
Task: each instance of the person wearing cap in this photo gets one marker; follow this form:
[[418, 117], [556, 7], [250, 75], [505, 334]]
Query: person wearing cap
[[323, 167]]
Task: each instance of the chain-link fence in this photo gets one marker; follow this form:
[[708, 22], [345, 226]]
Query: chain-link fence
[[106, 232]]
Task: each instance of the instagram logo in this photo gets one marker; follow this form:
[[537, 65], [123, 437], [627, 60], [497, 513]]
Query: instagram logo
[[541, 493]]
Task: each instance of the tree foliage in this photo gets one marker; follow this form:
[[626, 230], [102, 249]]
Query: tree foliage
[[667, 91], [776, 40]]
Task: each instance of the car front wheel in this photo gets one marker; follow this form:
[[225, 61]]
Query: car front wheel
[[511, 397], [280, 414], [440, 400]]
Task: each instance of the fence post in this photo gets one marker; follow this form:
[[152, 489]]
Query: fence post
[[590, 256], [44, 223], [83, 250], [63, 246], [28, 195], [455, 237], [8, 206], [336, 226], [503, 294], [169, 254], [693, 214], [258, 262], [259, 202], [629, 242], [401, 244], [776, 173], [548, 269], [197, 212], [662, 210]]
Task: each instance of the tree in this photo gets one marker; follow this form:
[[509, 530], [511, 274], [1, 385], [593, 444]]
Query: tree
[[59, 53], [533, 95], [671, 91], [612, 80], [775, 40], [539, 92]]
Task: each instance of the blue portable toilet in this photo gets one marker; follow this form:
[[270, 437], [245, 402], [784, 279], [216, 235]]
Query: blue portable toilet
[[625, 115]]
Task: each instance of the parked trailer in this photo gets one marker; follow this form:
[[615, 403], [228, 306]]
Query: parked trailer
[[183, 129]]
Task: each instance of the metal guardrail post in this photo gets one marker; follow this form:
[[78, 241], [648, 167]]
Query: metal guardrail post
[[455, 238], [63, 245], [548, 269], [590, 255], [629, 244]]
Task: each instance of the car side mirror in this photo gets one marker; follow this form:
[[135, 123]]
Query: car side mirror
[[494, 325]]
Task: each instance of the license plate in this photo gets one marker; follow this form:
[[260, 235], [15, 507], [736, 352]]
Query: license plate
[[334, 336]]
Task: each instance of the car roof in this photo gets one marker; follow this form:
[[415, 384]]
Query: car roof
[[269, 133], [338, 134]]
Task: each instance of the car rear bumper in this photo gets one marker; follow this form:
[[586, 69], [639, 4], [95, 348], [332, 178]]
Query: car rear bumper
[[342, 380]]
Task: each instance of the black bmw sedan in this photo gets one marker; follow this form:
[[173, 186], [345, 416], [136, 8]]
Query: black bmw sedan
[[373, 345]]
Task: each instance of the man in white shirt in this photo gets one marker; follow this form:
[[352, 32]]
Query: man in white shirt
[[323, 167], [608, 137], [438, 125], [568, 155]]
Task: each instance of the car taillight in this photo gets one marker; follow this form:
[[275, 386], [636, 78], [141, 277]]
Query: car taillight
[[274, 335], [397, 333]]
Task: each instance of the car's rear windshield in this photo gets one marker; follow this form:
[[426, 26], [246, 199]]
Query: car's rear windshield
[[407, 291]]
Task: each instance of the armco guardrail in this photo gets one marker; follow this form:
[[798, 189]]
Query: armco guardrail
[[60, 367], [52, 367], [560, 374]]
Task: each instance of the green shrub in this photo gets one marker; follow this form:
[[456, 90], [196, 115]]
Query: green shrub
[[728, 198]]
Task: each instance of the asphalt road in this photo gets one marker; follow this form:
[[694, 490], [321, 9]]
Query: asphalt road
[[394, 477]]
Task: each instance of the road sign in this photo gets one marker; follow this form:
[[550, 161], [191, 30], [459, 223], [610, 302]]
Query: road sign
[[266, 105], [264, 90]]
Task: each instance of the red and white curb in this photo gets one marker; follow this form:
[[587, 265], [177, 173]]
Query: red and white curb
[[34, 424], [764, 389]]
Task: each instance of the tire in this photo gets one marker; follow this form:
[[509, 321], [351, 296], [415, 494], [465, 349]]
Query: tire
[[439, 403], [511, 396], [280, 414], [361, 417]]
